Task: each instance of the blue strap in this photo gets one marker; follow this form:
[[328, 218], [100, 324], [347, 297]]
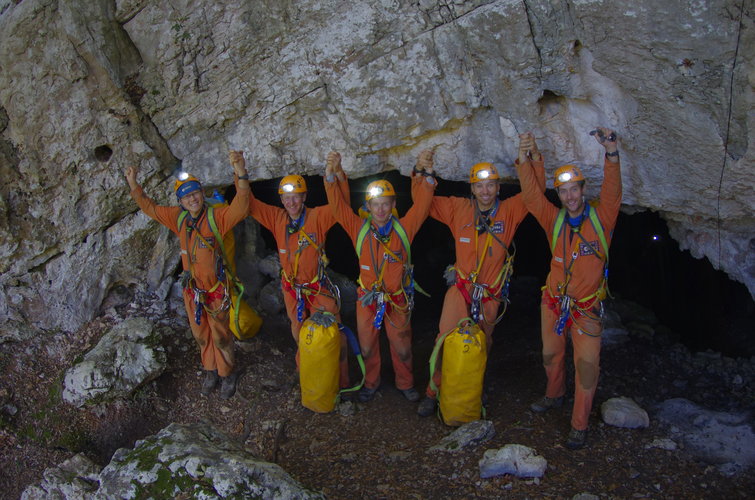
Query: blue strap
[[379, 312]]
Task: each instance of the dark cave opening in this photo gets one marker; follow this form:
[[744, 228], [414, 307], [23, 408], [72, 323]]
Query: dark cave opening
[[702, 306]]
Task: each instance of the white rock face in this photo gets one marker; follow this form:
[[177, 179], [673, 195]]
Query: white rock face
[[87, 88], [192, 461], [126, 357]]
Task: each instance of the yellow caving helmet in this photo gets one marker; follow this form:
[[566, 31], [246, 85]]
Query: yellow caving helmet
[[376, 189], [567, 173], [482, 172], [292, 184], [186, 184]]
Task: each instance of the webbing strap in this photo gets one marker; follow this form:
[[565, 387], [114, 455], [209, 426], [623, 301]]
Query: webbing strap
[[237, 284], [594, 220]]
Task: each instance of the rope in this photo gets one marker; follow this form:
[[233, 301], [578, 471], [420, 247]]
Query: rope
[[728, 126]]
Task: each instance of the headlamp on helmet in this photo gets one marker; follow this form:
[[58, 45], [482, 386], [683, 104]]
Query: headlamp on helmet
[[186, 184], [567, 173], [292, 184], [376, 189], [482, 172]]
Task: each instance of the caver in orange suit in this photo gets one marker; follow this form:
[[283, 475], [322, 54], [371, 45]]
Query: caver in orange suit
[[481, 258], [305, 285], [574, 256], [375, 261], [210, 326]]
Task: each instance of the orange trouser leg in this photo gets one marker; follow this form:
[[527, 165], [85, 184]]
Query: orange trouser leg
[[369, 343], [315, 303], [455, 308], [586, 362], [399, 332], [585, 336], [214, 337], [554, 349]]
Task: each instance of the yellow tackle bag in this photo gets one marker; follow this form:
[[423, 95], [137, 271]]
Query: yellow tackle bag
[[319, 352], [464, 359]]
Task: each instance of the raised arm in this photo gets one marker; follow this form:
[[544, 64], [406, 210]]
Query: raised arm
[[339, 204], [610, 191], [532, 180]]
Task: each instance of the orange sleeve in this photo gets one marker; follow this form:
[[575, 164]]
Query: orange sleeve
[[228, 217], [610, 195], [167, 216], [341, 209], [263, 213], [532, 195], [420, 209], [442, 209]]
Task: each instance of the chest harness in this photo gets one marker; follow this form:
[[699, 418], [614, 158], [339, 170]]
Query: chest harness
[[305, 293], [376, 297], [498, 290], [199, 296], [568, 308]]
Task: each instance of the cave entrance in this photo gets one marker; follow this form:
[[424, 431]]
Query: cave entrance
[[703, 307]]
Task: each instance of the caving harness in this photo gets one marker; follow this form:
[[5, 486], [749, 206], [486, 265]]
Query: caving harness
[[228, 288], [376, 297], [498, 290], [304, 293], [567, 308]]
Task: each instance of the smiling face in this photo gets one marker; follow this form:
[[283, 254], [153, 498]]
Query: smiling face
[[293, 203], [486, 192], [381, 209], [193, 202], [572, 198]]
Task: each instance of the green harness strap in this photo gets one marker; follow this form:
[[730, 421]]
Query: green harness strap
[[593, 216], [235, 282], [401, 232]]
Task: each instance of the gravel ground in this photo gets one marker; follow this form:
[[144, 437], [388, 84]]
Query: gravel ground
[[381, 450]]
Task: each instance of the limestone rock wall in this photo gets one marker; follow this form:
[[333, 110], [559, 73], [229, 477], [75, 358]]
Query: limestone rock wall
[[88, 87]]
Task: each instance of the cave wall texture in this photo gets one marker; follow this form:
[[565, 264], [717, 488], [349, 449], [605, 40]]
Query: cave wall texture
[[88, 87]]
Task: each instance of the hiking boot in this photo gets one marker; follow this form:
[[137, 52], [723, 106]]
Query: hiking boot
[[210, 381], [576, 439], [410, 394], [546, 404], [427, 406], [366, 394], [228, 386]]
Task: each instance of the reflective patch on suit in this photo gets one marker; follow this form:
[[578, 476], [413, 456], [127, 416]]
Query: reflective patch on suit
[[464, 240], [558, 259], [184, 252], [365, 267], [304, 242], [210, 240], [585, 249], [282, 250], [388, 257]]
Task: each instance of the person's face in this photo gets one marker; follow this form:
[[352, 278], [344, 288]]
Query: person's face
[[193, 202], [571, 195], [381, 209], [293, 203], [485, 192]]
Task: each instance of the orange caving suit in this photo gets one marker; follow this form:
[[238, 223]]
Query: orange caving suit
[[472, 250], [586, 278], [300, 261], [213, 333], [397, 314]]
